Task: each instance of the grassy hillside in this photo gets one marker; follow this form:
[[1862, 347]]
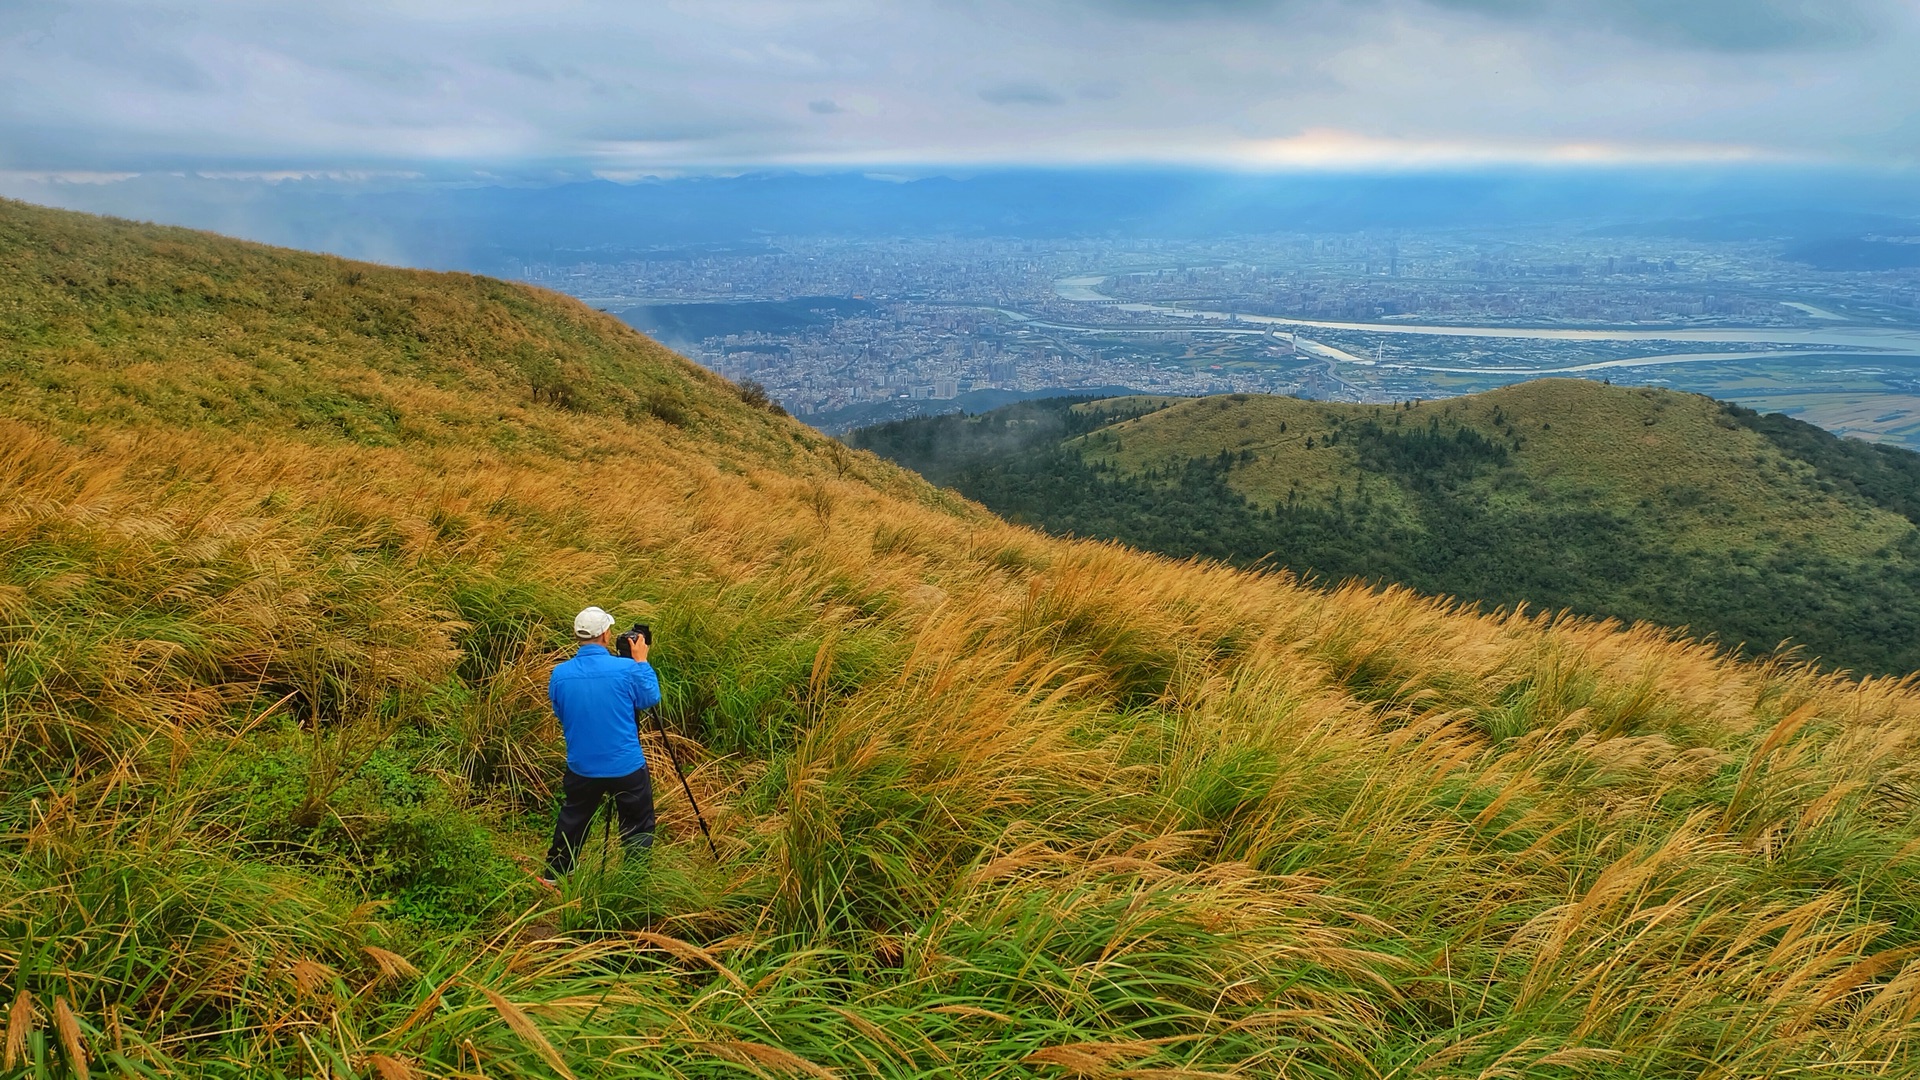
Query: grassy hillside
[[1612, 501], [280, 584]]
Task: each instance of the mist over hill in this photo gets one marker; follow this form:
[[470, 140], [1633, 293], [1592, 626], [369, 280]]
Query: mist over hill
[[1630, 503], [289, 545]]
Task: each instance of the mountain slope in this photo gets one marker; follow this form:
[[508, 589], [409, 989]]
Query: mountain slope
[[281, 580], [148, 326], [1611, 501]]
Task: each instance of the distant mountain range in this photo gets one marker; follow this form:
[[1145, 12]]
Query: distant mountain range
[[1639, 504], [455, 223], [1858, 253]]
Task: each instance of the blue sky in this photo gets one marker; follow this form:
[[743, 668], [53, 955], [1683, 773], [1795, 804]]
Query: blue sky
[[504, 89]]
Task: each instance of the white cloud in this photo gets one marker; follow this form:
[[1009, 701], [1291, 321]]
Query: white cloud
[[14, 178], [248, 86], [1342, 150]]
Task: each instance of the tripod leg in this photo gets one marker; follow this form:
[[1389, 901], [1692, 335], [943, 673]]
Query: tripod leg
[[667, 741], [606, 833]]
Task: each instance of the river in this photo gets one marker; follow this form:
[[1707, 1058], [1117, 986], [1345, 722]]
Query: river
[[1892, 340]]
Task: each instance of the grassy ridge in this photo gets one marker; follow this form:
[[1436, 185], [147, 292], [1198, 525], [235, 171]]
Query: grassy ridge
[[1629, 503], [145, 325], [272, 732]]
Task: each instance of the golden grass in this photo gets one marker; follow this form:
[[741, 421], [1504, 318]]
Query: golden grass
[[988, 803]]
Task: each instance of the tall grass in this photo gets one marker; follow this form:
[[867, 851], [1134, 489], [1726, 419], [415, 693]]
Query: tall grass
[[273, 733]]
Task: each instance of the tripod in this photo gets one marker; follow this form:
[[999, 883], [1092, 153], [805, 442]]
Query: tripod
[[607, 810], [667, 741], [624, 645]]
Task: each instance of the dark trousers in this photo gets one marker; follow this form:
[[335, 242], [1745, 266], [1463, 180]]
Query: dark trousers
[[632, 798]]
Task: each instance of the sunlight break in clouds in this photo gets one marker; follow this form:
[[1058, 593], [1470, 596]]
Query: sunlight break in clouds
[[1342, 150]]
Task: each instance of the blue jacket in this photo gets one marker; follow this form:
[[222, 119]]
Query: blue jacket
[[596, 695]]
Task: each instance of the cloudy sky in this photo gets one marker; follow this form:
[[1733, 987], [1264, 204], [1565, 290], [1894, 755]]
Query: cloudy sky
[[625, 88]]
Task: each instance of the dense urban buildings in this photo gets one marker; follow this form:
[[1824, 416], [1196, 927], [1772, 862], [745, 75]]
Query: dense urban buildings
[[845, 331]]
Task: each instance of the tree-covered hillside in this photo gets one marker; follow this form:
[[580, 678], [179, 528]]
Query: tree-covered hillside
[[1629, 503], [289, 545]]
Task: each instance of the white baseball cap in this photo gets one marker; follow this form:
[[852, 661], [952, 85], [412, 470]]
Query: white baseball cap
[[591, 623]]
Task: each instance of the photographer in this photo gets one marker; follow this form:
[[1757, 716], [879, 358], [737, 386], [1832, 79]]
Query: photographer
[[598, 697]]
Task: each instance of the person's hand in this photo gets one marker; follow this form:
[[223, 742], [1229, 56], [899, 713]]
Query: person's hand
[[639, 649]]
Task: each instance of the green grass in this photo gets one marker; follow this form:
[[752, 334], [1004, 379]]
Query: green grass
[[273, 744]]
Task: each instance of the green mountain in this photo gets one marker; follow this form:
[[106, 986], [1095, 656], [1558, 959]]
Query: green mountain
[[1636, 504], [288, 546]]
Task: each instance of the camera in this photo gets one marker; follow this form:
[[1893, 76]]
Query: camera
[[624, 643]]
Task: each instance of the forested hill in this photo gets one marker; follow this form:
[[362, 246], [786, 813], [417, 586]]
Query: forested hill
[[1639, 504]]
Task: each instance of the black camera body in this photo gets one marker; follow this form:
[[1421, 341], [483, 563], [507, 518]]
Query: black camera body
[[624, 643]]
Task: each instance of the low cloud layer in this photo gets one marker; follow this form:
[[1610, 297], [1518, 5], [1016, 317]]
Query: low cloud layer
[[518, 89]]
